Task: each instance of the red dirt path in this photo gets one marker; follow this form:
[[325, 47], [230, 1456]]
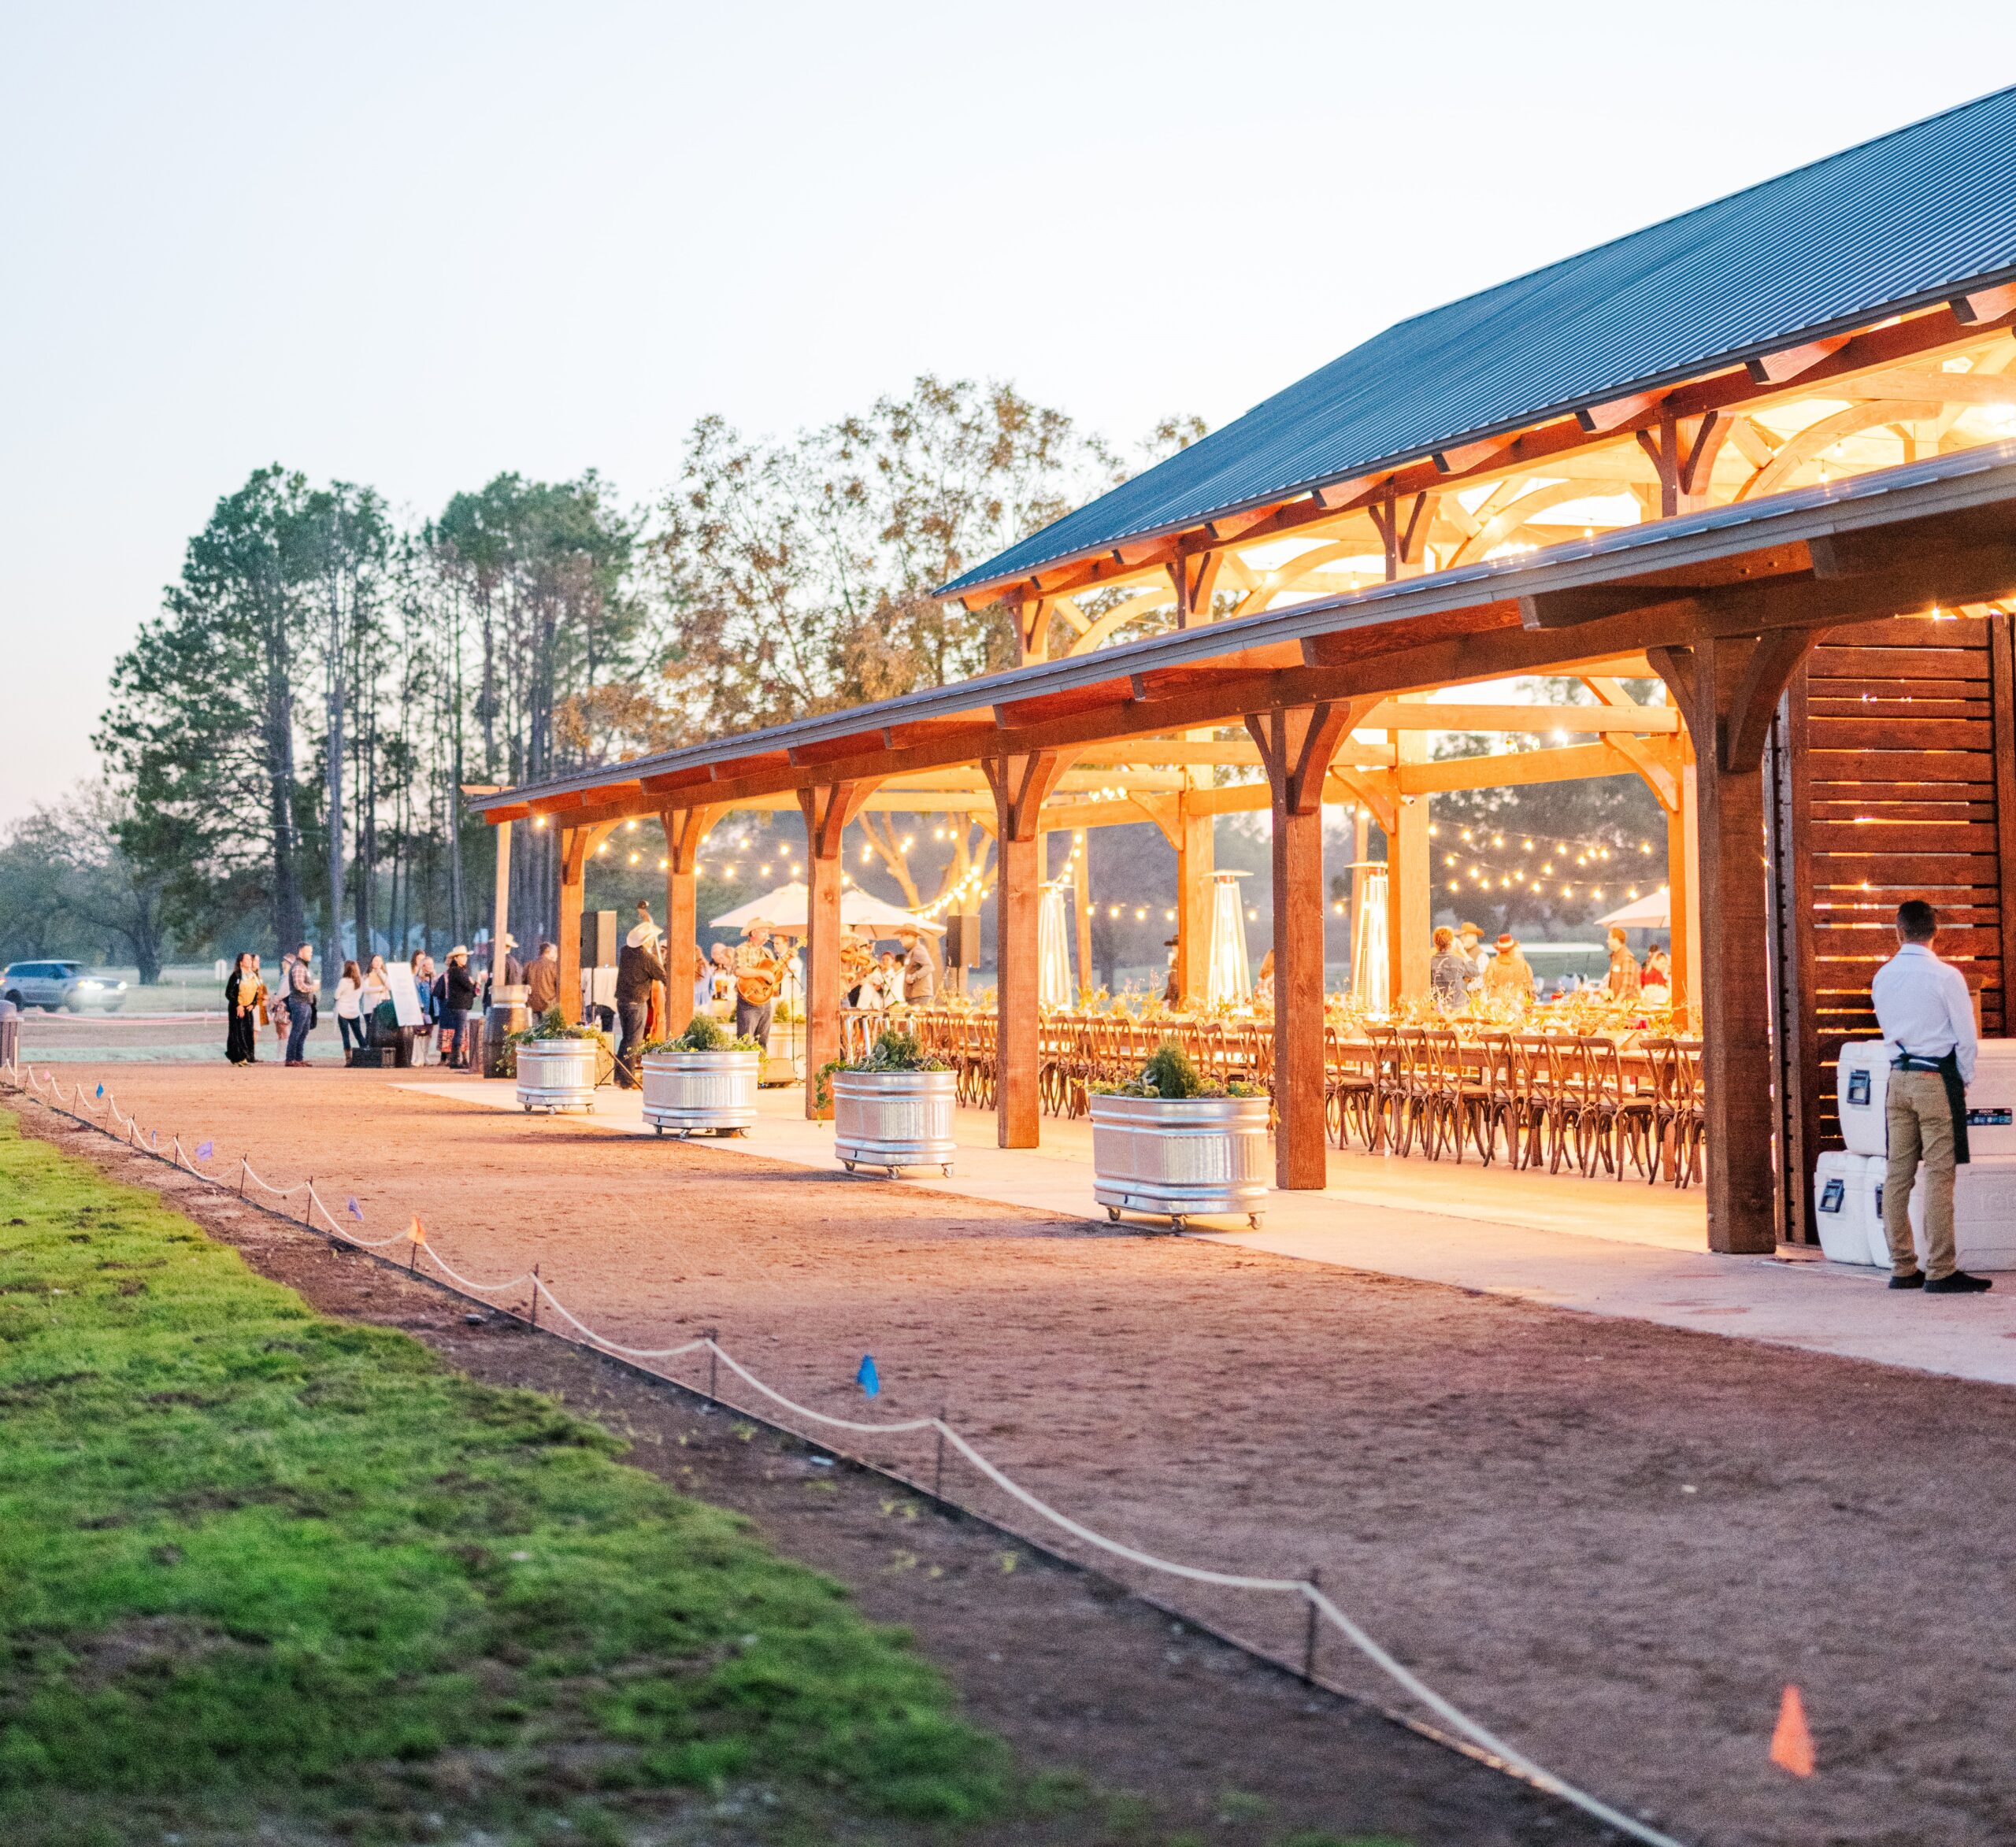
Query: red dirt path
[[1614, 1543]]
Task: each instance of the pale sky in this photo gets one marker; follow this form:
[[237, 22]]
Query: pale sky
[[415, 245]]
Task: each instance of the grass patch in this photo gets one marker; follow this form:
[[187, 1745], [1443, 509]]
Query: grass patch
[[257, 1562]]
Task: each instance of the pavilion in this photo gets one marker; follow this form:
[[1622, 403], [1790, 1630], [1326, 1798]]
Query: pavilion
[[1764, 452]]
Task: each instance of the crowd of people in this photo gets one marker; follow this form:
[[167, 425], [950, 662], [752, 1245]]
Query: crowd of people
[[450, 998], [1462, 968]]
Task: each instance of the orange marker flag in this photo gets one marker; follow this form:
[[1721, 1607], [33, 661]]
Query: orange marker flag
[[1792, 1744], [417, 1232]]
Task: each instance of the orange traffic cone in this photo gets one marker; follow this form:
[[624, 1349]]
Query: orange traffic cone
[[1792, 1744]]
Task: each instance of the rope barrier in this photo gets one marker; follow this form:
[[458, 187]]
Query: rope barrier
[[1322, 1606]]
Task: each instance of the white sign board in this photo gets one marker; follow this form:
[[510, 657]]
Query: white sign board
[[406, 995]]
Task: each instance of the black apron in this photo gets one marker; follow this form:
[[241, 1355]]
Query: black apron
[[1948, 1068]]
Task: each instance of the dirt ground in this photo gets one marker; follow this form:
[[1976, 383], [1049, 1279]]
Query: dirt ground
[[1613, 1543]]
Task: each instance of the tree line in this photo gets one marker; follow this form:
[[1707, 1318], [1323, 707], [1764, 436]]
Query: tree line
[[286, 745]]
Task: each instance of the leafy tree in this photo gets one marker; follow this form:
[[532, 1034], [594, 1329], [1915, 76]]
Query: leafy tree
[[200, 732]]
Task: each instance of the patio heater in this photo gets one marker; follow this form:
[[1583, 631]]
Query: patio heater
[[1227, 980], [1053, 987], [1371, 957]]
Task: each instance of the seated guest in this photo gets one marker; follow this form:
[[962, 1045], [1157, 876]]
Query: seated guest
[[1449, 972], [1624, 979], [1509, 973]]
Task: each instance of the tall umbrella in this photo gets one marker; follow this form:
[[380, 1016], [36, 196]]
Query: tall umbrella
[[1053, 949]]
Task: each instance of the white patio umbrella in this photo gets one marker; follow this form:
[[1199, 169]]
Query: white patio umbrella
[[788, 908], [1653, 912], [1053, 948]]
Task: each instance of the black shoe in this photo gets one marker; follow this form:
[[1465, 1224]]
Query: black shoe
[[1910, 1279], [1959, 1283]]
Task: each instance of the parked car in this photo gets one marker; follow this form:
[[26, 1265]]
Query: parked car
[[52, 985]]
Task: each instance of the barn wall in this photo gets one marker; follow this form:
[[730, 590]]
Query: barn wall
[[1892, 774]]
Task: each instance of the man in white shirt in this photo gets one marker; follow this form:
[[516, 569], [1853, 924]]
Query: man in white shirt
[[1923, 1009]]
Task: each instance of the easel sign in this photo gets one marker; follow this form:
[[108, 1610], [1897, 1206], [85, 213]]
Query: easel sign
[[406, 995]]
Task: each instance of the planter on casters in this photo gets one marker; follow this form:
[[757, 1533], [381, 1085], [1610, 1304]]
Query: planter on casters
[[701, 1093], [893, 1119], [558, 1074], [1185, 1157]]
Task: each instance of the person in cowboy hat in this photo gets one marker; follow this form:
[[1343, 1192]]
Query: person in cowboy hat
[[638, 968], [752, 957], [1509, 972], [919, 971]]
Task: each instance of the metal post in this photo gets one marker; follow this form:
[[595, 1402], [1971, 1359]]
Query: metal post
[[712, 1358], [1309, 1634], [938, 1468], [535, 1296]]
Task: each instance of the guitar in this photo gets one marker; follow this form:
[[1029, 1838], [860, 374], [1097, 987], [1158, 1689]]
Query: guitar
[[758, 984]]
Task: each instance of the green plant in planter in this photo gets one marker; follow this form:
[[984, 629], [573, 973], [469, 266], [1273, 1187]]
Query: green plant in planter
[[552, 1024], [894, 1050], [1171, 1074], [704, 1033]]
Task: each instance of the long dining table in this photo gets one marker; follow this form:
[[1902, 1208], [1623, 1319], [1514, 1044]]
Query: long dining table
[[1595, 1098]]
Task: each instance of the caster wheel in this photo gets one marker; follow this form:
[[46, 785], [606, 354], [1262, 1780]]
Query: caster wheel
[[1177, 1224], [947, 1170], [848, 1165], [660, 1128], [1112, 1215], [895, 1173], [1253, 1221]]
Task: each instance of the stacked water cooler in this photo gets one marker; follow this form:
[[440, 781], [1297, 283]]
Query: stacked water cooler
[[1848, 1184]]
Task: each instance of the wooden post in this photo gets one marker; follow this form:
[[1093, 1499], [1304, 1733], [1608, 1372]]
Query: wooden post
[[573, 860], [1296, 746], [1728, 689], [1021, 785], [827, 808], [1196, 859], [686, 829], [502, 915], [1409, 900]]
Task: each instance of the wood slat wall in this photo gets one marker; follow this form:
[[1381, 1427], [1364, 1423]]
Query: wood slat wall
[[1893, 775]]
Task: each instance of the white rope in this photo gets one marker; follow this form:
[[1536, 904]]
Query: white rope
[[1452, 1714]]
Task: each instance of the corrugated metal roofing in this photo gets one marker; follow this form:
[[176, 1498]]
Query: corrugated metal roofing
[[1899, 222]]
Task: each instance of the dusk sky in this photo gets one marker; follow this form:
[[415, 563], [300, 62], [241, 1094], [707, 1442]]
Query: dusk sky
[[413, 246]]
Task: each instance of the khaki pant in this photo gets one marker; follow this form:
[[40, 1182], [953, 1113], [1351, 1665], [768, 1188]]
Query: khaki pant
[[1921, 1124]]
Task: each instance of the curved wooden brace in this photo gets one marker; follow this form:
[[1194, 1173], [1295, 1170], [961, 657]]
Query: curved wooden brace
[[1508, 519], [1816, 438]]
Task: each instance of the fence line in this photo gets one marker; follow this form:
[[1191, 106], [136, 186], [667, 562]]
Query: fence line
[[1321, 1606]]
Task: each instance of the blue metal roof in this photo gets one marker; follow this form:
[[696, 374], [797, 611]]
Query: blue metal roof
[[1897, 223]]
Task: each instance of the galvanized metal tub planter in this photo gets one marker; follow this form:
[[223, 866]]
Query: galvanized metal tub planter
[[893, 1119], [1188, 1157], [558, 1074], [701, 1093]]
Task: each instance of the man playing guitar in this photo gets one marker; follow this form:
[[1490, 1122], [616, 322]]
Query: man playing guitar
[[758, 975]]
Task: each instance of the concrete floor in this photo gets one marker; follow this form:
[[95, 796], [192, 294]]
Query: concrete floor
[[1600, 1247]]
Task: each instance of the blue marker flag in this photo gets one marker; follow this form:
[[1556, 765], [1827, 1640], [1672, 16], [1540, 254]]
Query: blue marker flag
[[101, 1089], [868, 1378], [203, 1149], [355, 1211]]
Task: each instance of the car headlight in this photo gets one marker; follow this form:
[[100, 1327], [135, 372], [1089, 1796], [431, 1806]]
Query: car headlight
[[88, 983]]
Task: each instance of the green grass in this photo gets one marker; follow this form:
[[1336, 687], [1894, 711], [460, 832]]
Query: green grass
[[256, 1563]]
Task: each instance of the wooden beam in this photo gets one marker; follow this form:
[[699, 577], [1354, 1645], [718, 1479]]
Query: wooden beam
[[1021, 783], [1296, 746], [1711, 683], [827, 808]]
